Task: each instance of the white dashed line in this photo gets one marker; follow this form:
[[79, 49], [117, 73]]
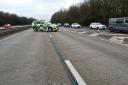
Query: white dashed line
[[50, 35], [76, 75], [82, 32], [95, 34]]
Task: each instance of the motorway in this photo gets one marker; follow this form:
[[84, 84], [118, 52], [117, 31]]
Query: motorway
[[41, 58]]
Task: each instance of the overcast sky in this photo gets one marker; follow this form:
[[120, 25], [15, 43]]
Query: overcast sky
[[39, 9]]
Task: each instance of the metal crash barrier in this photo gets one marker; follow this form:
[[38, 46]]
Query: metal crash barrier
[[13, 29]]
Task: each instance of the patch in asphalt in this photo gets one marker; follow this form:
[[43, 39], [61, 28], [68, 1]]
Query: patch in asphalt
[[71, 30], [125, 41], [104, 36], [117, 39], [114, 34]]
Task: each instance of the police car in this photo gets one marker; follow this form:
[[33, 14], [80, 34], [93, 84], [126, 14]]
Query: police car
[[44, 26]]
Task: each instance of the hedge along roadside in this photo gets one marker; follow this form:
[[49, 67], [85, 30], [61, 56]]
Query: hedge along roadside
[[15, 29]]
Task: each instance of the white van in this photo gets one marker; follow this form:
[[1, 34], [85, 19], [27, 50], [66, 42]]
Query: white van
[[118, 24]]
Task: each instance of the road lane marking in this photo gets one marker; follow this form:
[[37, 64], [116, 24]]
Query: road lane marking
[[50, 35], [82, 32], [95, 34], [62, 60], [75, 73]]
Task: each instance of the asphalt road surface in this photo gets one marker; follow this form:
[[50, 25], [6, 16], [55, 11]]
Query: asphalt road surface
[[39, 58]]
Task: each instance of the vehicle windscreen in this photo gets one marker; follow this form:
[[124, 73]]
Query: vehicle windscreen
[[95, 23], [75, 24], [47, 23], [98, 24], [126, 20], [37, 22], [120, 20]]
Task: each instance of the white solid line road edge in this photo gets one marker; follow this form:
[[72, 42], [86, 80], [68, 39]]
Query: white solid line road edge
[[75, 73]]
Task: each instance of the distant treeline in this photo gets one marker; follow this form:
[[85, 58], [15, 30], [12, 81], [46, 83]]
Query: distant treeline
[[14, 19], [92, 10]]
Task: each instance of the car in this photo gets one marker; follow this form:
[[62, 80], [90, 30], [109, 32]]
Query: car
[[8, 26], [97, 25], [75, 25], [66, 25], [59, 24], [118, 24], [44, 26]]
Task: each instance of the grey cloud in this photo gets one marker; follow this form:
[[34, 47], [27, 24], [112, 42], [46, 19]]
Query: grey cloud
[[40, 9]]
